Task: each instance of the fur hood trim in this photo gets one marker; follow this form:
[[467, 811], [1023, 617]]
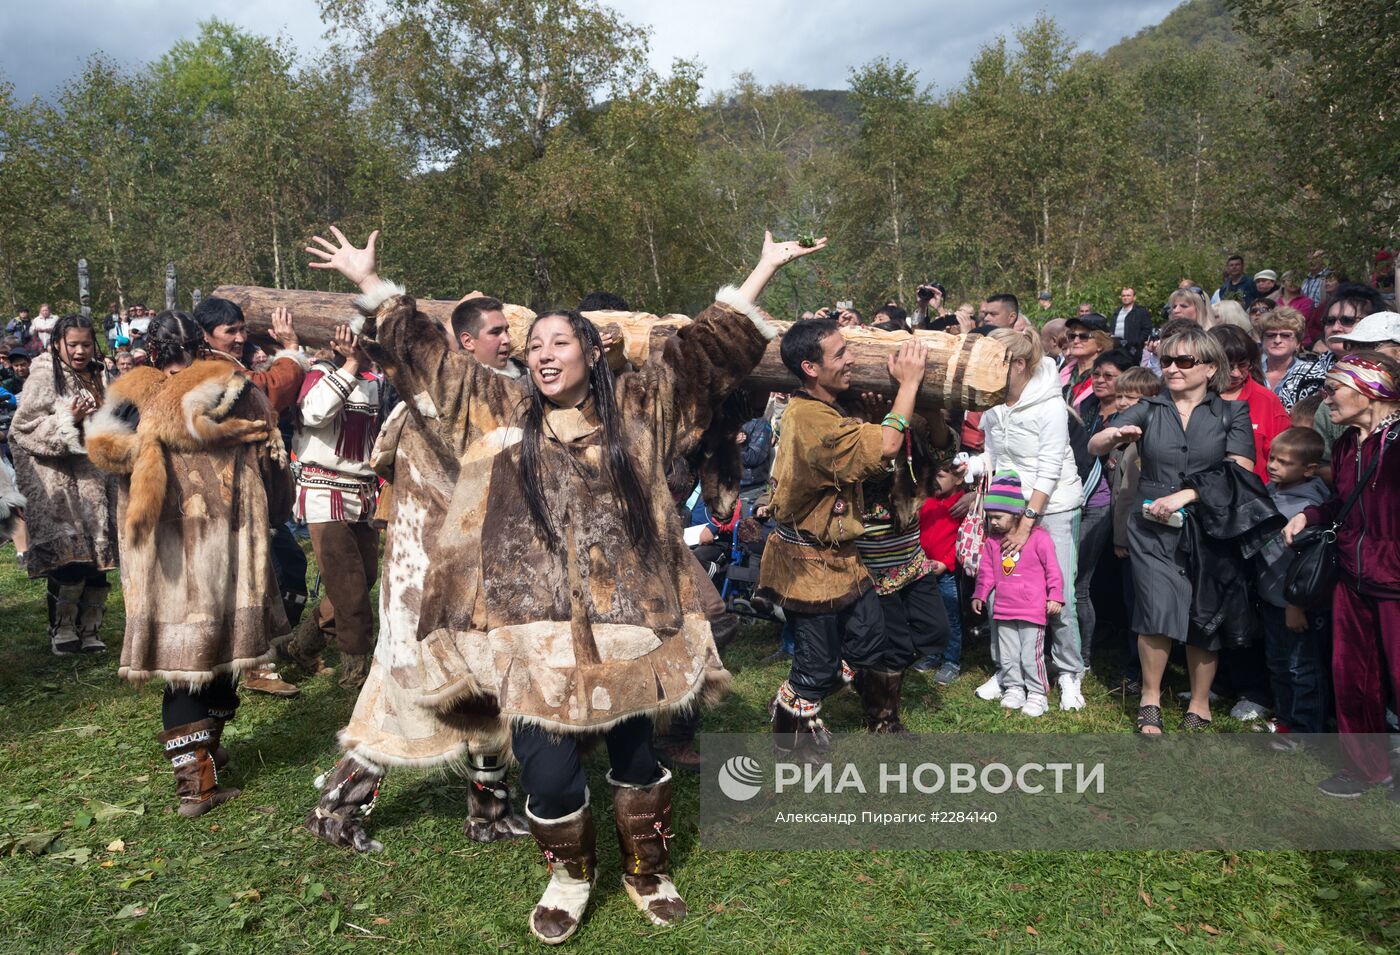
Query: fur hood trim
[[296, 355], [368, 303], [730, 298]]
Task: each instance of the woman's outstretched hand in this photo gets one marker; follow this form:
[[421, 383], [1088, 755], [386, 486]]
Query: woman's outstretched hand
[[774, 256], [356, 264], [779, 254]]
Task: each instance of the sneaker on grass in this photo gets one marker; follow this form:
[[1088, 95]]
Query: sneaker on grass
[[1247, 711], [1035, 705], [947, 673], [991, 690], [925, 665], [1346, 785], [1071, 698], [1014, 698]]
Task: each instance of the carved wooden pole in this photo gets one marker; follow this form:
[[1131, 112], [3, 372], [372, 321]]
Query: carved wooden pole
[[170, 287], [84, 292]]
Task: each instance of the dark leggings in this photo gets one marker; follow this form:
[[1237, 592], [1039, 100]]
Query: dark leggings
[[551, 772], [182, 706], [70, 574]]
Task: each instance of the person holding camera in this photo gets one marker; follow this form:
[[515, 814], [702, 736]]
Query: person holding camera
[[930, 308]]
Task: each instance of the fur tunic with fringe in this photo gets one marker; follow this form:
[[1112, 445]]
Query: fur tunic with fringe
[[71, 510], [391, 726], [203, 477], [580, 638]]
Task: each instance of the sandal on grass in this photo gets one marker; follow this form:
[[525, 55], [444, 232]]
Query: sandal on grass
[[1195, 723], [1149, 717]]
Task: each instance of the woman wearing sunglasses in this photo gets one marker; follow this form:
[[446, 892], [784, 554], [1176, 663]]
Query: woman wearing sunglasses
[[1281, 335], [1186, 430], [1086, 338]]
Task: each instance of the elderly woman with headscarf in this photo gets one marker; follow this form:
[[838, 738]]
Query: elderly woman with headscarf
[[1362, 393]]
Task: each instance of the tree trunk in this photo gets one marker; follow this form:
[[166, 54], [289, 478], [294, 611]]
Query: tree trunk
[[964, 372], [276, 245], [1196, 175], [112, 241]]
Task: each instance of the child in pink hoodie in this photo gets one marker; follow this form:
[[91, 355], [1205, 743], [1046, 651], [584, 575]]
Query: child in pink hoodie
[[1029, 588]]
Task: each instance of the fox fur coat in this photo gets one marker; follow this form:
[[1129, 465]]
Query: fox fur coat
[[203, 476], [578, 638]]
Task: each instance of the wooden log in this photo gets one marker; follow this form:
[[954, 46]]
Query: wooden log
[[966, 372]]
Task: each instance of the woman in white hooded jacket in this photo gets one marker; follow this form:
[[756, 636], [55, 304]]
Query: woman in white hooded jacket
[[1029, 434]]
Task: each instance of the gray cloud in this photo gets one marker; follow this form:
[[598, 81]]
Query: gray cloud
[[813, 43]]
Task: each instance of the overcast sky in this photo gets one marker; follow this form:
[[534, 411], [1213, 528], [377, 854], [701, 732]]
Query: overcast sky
[[812, 43]]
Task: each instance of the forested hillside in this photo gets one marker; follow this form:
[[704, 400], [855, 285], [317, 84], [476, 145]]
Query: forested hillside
[[558, 162]]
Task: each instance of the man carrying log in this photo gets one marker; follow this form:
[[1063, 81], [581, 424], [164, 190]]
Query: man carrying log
[[811, 566]]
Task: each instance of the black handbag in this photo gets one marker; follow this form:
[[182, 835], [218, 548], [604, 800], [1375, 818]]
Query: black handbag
[[1313, 573]]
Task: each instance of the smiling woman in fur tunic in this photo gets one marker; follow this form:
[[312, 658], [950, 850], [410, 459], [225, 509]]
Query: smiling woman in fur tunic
[[202, 469], [562, 588]]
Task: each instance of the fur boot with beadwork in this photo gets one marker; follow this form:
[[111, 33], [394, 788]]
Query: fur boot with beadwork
[[489, 815], [190, 751], [879, 699], [92, 606], [798, 732], [63, 618], [643, 818], [570, 850], [220, 718], [348, 794]]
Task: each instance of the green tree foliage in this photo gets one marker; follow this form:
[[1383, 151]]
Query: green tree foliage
[[525, 147], [1339, 111]]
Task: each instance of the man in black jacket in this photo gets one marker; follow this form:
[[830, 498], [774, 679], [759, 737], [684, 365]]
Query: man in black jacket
[[1132, 325]]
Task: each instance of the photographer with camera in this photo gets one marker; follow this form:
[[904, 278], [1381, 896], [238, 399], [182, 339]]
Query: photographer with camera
[[930, 308]]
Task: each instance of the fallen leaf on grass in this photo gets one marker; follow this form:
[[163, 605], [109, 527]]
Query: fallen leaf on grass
[[1017, 887], [248, 895], [1209, 929], [1030, 930], [132, 910], [76, 856], [105, 811], [89, 730], [116, 845], [1146, 899], [381, 920], [30, 843], [862, 877]]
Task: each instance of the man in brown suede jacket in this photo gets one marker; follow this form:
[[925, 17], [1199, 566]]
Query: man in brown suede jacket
[[810, 566]]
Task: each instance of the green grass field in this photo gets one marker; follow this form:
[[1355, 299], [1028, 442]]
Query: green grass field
[[94, 859]]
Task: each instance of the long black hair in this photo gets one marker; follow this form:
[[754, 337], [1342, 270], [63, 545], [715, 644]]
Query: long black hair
[[62, 327], [631, 492], [174, 336]]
